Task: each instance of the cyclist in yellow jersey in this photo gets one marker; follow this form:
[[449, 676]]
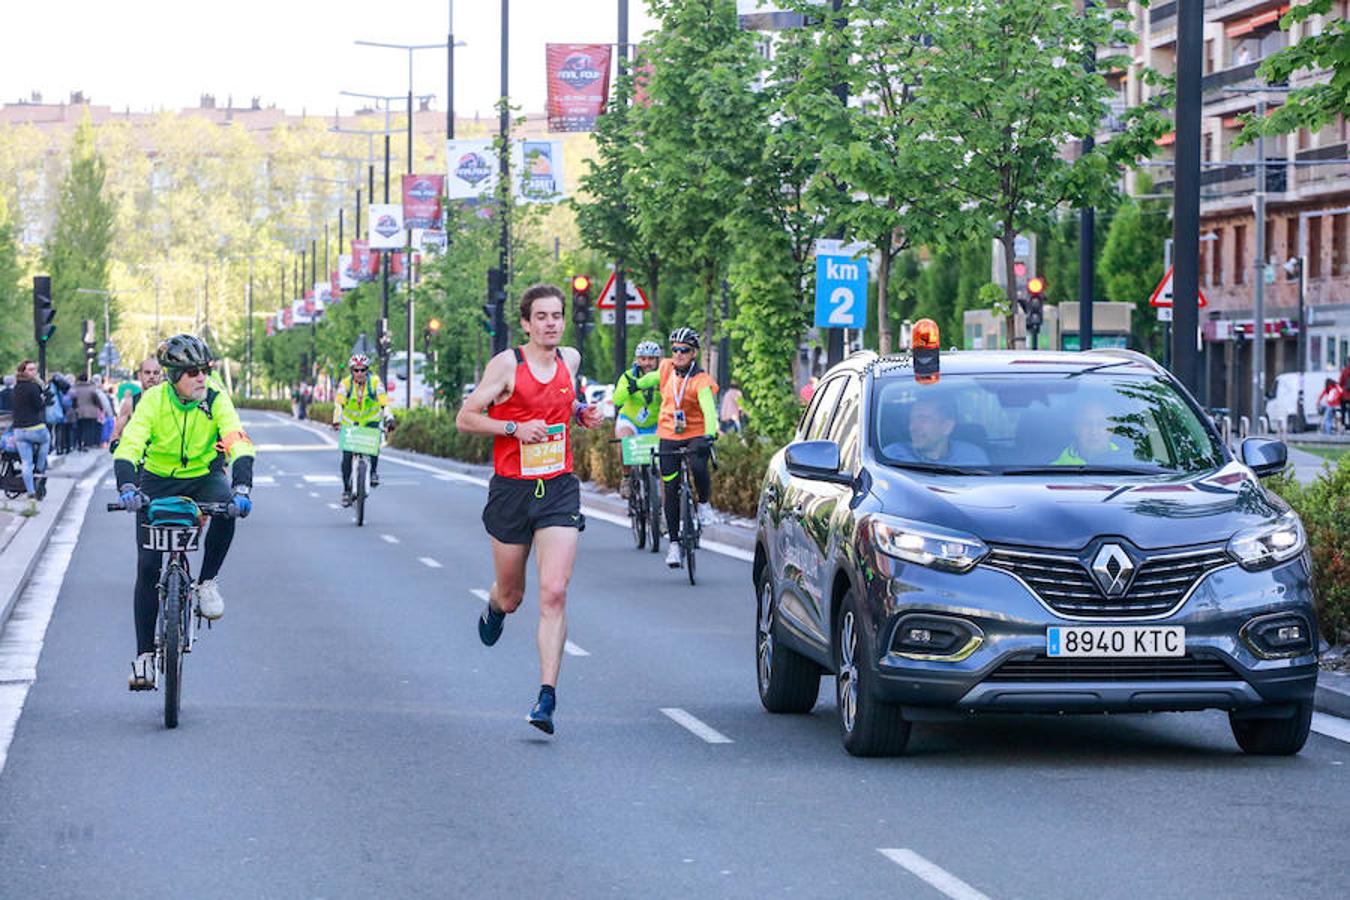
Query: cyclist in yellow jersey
[[360, 401]]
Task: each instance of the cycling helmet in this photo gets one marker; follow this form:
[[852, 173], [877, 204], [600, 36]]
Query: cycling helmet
[[685, 335], [183, 351], [358, 361], [648, 348]]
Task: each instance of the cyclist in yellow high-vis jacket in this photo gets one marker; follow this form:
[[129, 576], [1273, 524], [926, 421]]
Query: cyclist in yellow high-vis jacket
[[180, 436], [360, 401]]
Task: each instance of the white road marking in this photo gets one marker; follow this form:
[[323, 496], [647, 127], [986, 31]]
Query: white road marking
[[1331, 726], [263, 479], [334, 506], [480, 594], [704, 544], [428, 562], [389, 539], [932, 873], [322, 479], [314, 495], [24, 634], [294, 448], [700, 728], [572, 649]]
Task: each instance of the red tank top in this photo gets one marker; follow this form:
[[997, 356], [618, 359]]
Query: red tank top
[[529, 400]]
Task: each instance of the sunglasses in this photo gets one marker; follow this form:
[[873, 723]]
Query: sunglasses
[[359, 371], [194, 371], [681, 349]]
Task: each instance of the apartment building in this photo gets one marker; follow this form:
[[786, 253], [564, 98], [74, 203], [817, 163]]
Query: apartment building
[[1307, 194]]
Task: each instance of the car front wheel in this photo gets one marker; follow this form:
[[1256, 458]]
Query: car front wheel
[[867, 726], [1273, 737], [788, 681]]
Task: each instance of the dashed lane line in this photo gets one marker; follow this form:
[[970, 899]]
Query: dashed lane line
[[1331, 726], [314, 495], [321, 479], [933, 874], [389, 539], [695, 725], [480, 594], [428, 562], [334, 506], [572, 649]]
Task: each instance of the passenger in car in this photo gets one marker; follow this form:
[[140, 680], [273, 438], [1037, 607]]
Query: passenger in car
[[1093, 442], [931, 420]]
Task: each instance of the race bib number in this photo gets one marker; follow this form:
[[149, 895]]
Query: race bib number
[[548, 457]]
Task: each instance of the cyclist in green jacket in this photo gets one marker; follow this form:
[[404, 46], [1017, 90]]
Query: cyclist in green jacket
[[179, 437], [637, 408], [360, 401]]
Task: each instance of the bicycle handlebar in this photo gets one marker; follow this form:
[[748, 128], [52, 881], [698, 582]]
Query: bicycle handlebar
[[215, 510]]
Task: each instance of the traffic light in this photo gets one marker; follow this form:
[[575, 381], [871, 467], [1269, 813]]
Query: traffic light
[[43, 313], [432, 329], [581, 300], [383, 339], [88, 338], [1034, 307], [496, 297]]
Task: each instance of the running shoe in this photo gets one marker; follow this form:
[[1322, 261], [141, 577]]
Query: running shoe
[[210, 605], [347, 498], [374, 479], [490, 625], [142, 673], [673, 556], [541, 716]]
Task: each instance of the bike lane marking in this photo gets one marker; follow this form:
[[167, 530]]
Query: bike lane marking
[[932, 873], [569, 648], [24, 635], [389, 539], [695, 725], [428, 562]]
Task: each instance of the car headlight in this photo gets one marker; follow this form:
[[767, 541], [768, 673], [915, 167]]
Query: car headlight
[[1263, 546], [927, 545]]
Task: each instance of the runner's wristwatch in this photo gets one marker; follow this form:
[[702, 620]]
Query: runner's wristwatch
[[510, 428]]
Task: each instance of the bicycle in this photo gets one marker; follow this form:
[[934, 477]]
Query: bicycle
[[173, 526], [644, 488], [691, 529], [363, 442]]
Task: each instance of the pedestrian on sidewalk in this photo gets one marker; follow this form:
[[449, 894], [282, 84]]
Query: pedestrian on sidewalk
[[1345, 396], [1329, 405], [64, 434], [30, 429], [527, 401], [729, 415], [87, 412]]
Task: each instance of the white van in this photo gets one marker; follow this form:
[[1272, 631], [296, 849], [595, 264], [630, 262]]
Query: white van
[[398, 380], [1282, 403]]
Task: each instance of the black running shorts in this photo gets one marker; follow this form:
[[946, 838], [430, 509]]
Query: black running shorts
[[517, 508]]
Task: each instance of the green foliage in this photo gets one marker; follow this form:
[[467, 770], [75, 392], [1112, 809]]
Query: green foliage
[[427, 431], [1324, 507], [1132, 262], [16, 340], [1315, 105], [270, 404], [78, 250]]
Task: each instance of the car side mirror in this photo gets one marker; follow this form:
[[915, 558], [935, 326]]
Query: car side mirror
[[1264, 456], [816, 461]]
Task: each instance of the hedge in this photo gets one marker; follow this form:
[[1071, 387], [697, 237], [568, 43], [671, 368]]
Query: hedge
[[1324, 507]]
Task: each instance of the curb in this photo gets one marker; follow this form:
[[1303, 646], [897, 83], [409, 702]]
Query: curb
[[1333, 694], [21, 556]]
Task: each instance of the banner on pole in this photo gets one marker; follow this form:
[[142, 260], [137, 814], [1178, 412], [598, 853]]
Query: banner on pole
[[365, 264], [473, 169], [346, 275], [422, 200], [429, 240], [386, 226], [578, 85], [299, 314], [538, 170]]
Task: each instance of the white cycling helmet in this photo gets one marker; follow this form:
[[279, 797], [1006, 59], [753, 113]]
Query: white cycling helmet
[[648, 348], [685, 335], [358, 361]]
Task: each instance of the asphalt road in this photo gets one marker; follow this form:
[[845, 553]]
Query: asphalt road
[[344, 734]]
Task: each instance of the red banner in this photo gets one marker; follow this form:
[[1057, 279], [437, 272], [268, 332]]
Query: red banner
[[365, 262], [578, 84], [271, 329], [422, 200], [334, 287], [309, 303], [642, 75], [398, 264]]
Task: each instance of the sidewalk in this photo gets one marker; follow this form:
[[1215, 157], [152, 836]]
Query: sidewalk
[[19, 555]]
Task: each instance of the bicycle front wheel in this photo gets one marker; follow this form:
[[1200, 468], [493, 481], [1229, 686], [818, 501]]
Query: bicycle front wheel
[[361, 492], [688, 530], [171, 642], [637, 509], [653, 481]]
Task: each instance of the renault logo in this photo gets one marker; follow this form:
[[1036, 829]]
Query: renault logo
[[1113, 569]]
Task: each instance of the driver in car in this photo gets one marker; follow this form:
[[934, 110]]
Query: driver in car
[[1092, 440], [931, 420]]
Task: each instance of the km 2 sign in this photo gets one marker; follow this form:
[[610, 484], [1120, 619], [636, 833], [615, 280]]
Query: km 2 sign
[[841, 291]]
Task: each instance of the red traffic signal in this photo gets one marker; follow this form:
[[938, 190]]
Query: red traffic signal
[[581, 284], [1036, 286]]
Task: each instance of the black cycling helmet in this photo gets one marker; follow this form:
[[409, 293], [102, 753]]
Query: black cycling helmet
[[183, 351], [685, 335]]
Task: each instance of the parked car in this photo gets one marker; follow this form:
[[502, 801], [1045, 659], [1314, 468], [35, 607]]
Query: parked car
[[1028, 532], [1282, 402]]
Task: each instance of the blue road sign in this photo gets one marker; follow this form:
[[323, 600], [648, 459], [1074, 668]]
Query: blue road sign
[[841, 292]]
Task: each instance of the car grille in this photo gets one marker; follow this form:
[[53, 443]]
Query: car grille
[[1064, 583], [1176, 668]]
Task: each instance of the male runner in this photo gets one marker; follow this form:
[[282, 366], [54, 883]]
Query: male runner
[[526, 400]]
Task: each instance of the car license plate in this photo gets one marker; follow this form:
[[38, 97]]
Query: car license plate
[[165, 539], [1131, 640]]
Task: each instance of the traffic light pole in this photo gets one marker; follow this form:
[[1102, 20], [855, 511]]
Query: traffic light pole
[[1186, 205], [620, 277]]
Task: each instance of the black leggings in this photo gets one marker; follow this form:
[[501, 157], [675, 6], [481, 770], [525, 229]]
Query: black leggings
[[210, 488], [670, 468], [347, 462]]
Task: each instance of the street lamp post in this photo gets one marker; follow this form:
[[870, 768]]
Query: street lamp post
[[1186, 205]]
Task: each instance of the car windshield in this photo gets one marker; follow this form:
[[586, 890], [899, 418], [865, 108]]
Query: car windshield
[[1101, 422]]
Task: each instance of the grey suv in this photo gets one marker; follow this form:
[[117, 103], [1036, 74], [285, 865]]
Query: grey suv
[[1031, 532]]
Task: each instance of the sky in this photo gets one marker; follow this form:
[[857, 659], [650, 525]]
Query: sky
[[153, 54]]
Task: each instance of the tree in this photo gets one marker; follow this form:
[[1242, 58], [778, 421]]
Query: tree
[[1005, 88], [1132, 260], [1316, 105], [16, 341], [77, 251]]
